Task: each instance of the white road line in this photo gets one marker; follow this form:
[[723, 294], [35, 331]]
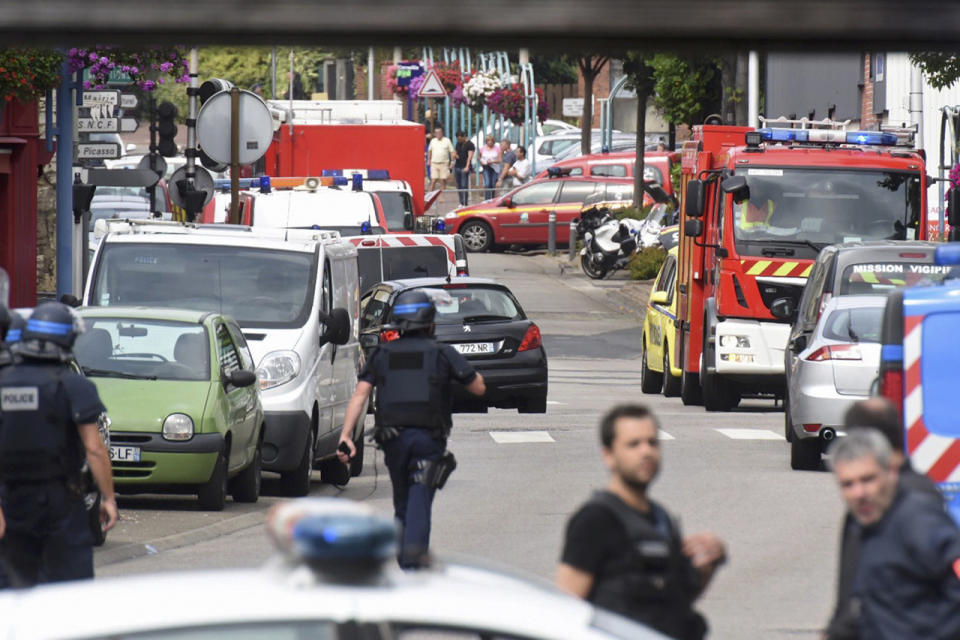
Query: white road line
[[519, 437], [750, 434], [555, 402], [665, 436]]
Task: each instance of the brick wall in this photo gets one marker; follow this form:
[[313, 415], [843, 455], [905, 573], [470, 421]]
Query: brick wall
[[868, 120]]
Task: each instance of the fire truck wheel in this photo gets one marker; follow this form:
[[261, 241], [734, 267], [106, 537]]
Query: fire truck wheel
[[690, 392], [671, 384], [477, 236], [650, 381]]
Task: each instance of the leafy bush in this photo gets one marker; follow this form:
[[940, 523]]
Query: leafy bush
[[646, 264]]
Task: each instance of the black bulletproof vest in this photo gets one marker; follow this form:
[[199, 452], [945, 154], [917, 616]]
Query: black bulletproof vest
[[656, 584], [410, 389], [36, 442]]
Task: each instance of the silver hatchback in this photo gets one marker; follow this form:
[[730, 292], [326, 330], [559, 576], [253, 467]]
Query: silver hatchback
[[833, 370]]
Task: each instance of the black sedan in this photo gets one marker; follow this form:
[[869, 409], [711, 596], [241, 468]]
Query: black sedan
[[482, 320]]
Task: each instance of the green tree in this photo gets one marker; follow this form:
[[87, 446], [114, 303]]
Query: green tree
[[686, 89], [554, 70], [941, 69], [641, 78]]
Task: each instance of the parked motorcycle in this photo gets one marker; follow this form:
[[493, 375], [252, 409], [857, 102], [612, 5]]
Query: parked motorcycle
[[608, 243]]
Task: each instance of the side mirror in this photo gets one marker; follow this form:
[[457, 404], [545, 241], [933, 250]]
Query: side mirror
[[657, 192], [408, 221], [369, 340], [659, 297], [953, 207], [736, 186], [337, 328], [507, 202], [694, 201], [783, 309], [241, 378], [70, 300], [798, 344], [693, 228]]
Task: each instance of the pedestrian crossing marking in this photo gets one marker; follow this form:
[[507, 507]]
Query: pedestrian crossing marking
[[663, 435], [750, 434], [555, 402], [520, 437]]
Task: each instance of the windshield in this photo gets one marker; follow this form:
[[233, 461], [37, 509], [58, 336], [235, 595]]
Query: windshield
[[814, 208], [476, 304], [395, 263], [395, 204], [258, 287], [145, 349], [854, 325], [880, 277]]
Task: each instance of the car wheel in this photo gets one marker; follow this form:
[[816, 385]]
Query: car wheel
[[477, 236], [213, 493], [356, 463], [671, 383], [246, 486], [650, 381], [296, 482], [805, 454], [591, 269], [537, 404], [96, 526]]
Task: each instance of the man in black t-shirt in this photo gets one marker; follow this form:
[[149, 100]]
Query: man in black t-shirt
[[463, 165], [623, 551]]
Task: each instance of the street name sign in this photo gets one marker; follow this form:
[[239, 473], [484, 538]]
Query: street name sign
[[573, 107], [128, 100], [109, 97], [107, 125], [98, 150], [432, 87]]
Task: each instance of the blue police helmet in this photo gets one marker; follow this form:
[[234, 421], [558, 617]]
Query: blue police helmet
[[414, 310], [51, 324], [4, 321], [15, 328]]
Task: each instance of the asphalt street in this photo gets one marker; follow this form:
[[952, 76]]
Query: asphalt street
[[520, 476]]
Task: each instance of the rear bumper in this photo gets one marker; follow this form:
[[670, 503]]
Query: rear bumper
[[285, 435], [764, 356], [507, 381], [816, 402], [165, 463]]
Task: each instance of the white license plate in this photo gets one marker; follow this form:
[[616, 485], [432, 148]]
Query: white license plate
[[474, 347], [124, 454]]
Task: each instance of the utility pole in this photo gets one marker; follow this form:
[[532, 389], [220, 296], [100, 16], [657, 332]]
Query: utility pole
[[371, 60], [65, 182], [753, 82]]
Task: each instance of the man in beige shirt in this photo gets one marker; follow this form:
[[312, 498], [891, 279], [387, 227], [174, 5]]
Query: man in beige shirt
[[441, 155]]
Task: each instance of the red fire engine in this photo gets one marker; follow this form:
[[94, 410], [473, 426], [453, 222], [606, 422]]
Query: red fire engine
[[758, 207]]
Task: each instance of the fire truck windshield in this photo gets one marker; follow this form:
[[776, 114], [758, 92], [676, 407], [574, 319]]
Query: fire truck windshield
[[803, 210]]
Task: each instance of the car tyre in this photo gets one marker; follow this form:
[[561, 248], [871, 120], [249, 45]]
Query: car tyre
[[537, 404], [96, 526], [356, 463], [477, 236], [213, 493], [650, 381], [296, 482], [805, 454], [671, 384], [246, 486]]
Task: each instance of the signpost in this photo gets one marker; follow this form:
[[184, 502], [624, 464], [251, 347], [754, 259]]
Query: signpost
[[110, 97], [128, 101], [406, 72], [117, 78], [97, 151], [432, 86], [122, 177], [106, 125], [573, 107]]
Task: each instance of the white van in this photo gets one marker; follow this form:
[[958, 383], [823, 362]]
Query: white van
[[294, 294], [407, 255]]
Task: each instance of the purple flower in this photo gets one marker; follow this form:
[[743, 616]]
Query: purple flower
[[72, 52], [148, 85], [166, 67], [104, 60], [160, 80], [86, 84], [93, 57], [134, 70]]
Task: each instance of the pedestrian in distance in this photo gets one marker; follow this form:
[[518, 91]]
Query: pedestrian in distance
[[906, 583], [519, 173], [490, 157], [880, 414], [623, 551], [49, 417], [441, 155], [412, 377], [507, 158], [463, 166]]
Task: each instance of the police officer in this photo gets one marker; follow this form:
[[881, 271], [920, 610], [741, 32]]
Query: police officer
[[48, 423], [412, 376], [623, 551]]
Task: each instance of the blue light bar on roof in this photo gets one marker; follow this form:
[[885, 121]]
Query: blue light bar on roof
[[340, 181], [357, 182], [262, 183], [330, 173], [871, 137], [773, 134], [378, 174], [947, 254]]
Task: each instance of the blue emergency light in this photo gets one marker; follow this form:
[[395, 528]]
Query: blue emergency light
[[439, 225], [357, 182], [773, 134], [344, 537], [378, 174], [262, 183], [947, 254], [340, 181], [331, 173], [365, 227]]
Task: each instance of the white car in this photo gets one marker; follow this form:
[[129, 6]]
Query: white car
[[335, 578]]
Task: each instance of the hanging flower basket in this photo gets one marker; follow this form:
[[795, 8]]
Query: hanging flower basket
[[450, 75], [480, 86], [26, 74], [509, 102], [392, 85], [147, 68]]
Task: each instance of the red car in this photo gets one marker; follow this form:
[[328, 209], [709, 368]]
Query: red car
[[521, 215], [620, 165]]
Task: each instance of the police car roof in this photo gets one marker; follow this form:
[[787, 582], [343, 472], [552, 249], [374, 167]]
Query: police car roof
[[891, 245], [416, 283], [853, 302], [147, 313], [453, 596]]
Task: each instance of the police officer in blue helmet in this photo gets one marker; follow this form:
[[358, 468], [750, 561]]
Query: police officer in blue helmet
[[49, 424], [413, 377]]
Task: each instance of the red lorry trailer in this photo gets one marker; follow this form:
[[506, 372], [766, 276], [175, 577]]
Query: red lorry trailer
[[758, 206], [308, 148]]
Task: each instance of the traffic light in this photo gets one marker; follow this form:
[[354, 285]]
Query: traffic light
[[167, 129], [206, 91]]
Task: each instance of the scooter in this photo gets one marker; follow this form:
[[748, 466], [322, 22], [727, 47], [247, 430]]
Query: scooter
[[608, 243]]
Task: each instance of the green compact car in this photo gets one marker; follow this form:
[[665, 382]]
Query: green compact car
[[183, 400]]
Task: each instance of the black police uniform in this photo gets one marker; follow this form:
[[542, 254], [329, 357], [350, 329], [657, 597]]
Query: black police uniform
[[48, 538], [412, 377], [638, 565]]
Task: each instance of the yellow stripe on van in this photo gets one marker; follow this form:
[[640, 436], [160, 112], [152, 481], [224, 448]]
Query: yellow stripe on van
[[758, 268], [806, 272], [785, 268]]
